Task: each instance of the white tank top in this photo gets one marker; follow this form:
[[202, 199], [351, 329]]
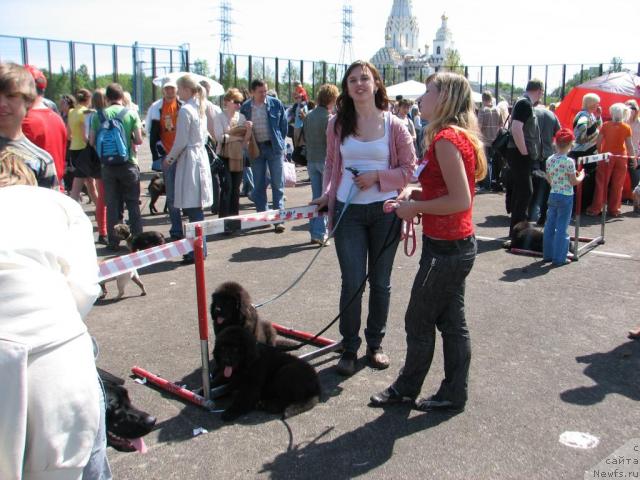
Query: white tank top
[[365, 156]]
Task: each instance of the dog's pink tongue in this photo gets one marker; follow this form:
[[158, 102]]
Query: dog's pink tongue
[[228, 371], [139, 445], [220, 320]]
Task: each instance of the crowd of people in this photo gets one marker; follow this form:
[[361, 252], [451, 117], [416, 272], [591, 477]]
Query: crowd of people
[[372, 164]]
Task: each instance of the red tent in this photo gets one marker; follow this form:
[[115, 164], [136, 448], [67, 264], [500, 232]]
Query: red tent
[[610, 87]]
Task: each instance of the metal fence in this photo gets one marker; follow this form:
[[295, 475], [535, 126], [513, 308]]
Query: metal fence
[[504, 81], [70, 65]]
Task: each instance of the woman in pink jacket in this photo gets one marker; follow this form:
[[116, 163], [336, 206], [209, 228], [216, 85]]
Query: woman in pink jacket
[[370, 158]]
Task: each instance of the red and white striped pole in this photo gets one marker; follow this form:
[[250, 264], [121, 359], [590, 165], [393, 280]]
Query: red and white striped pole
[[201, 297]]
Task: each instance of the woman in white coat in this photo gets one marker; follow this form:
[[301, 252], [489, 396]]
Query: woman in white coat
[[193, 190]]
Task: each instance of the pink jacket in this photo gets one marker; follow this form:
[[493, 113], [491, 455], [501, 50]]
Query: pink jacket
[[402, 162]]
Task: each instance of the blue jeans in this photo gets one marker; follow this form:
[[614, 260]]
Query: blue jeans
[[195, 214], [175, 231], [556, 240], [437, 300], [318, 225], [363, 232], [97, 468], [259, 166], [247, 179]]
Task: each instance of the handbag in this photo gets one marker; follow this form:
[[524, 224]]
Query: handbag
[[501, 142], [215, 162], [289, 174]]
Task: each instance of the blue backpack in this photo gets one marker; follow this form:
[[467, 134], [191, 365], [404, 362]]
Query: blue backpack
[[111, 141]]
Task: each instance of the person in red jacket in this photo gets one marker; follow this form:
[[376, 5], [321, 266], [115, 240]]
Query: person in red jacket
[[44, 127]]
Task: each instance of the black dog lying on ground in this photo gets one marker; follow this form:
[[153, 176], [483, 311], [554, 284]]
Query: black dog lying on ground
[[126, 425], [139, 241], [231, 305], [156, 188], [261, 376], [527, 237]]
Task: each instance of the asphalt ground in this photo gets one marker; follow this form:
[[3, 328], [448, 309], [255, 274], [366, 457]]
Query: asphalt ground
[[550, 355]]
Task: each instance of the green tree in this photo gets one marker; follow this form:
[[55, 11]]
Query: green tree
[[201, 67], [616, 64], [453, 61]]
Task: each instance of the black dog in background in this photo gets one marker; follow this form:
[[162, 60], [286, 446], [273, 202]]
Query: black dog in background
[[231, 306], [126, 425], [261, 376], [156, 188], [527, 237]]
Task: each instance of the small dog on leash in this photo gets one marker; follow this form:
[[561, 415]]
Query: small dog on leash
[[139, 241], [156, 188]]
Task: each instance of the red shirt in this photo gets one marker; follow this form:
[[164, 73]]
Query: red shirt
[[454, 226], [45, 128]]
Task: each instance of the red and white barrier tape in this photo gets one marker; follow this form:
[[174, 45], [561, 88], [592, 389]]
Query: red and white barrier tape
[[127, 263], [252, 220], [602, 156]]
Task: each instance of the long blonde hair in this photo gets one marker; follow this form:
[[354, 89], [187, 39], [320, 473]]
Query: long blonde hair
[[189, 81], [455, 109], [14, 170]]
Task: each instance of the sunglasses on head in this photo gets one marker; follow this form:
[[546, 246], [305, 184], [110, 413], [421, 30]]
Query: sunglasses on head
[[237, 102]]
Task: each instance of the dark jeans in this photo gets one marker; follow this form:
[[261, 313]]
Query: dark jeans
[[538, 203], [122, 184], [360, 237], [229, 192], [521, 184], [437, 300], [195, 214], [175, 215]]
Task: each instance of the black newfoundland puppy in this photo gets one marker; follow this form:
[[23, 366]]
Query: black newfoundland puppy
[[527, 237], [126, 425], [261, 376], [231, 306]]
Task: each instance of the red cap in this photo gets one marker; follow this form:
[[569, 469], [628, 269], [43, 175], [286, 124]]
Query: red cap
[[564, 136], [38, 76]]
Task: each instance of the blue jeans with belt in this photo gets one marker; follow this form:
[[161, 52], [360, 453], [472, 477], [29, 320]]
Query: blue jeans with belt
[[268, 158], [366, 239], [437, 301]]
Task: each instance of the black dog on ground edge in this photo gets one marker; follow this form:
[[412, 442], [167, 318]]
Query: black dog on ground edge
[[261, 376], [231, 305], [126, 425], [527, 237], [156, 188]]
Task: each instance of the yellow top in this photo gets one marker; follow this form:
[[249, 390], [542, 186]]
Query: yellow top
[[76, 127]]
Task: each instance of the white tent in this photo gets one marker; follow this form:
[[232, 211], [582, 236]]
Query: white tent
[[412, 89], [215, 89]]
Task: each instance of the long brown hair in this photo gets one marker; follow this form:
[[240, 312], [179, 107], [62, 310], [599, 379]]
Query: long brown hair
[[346, 119], [455, 109]]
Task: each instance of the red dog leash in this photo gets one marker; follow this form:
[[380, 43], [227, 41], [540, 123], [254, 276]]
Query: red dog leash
[[407, 229]]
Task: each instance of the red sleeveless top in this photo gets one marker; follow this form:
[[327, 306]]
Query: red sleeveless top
[[454, 226]]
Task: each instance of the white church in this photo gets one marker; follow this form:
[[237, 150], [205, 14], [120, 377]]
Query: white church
[[401, 48]]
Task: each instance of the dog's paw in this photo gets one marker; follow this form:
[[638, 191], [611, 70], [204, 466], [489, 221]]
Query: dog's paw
[[143, 293]]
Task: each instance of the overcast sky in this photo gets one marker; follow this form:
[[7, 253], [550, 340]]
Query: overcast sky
[[490, 32]]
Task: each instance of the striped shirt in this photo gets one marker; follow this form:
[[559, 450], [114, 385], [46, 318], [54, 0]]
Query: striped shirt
[[260, 122], [37, 159], [490, 122], [585, 128]]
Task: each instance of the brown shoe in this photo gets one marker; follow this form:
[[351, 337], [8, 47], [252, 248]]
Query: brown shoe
[[377, 358]]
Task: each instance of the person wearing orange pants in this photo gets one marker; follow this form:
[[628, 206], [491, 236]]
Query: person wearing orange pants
[[615, 138]]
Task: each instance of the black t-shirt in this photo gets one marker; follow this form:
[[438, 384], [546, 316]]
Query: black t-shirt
[[522, 110]]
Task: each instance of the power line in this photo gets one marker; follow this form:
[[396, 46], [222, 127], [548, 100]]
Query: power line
[[346, 52]]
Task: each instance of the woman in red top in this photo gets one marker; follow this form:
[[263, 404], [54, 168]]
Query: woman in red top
[[447, 175]]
